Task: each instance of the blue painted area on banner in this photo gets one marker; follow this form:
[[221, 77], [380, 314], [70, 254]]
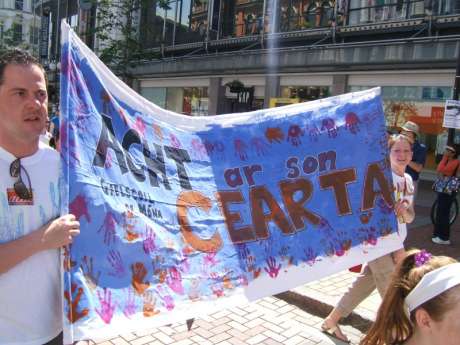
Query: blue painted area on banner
[[171, 214]]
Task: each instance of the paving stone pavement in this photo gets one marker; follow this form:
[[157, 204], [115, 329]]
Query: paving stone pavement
[[269, 321]]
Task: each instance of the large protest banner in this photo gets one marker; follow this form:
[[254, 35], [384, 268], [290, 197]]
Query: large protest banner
[[184, 215]]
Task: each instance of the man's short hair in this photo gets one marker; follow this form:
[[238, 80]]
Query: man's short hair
[[17, 57]]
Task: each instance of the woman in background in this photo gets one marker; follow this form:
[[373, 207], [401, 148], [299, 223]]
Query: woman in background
[[377, 273], [422, 304], [447, 167]]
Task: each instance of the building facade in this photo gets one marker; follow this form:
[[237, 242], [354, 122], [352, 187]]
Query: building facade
[[236, 55], [19, 25]]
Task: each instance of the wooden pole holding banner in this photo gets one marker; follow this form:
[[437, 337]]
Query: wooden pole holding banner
[[451, 133]]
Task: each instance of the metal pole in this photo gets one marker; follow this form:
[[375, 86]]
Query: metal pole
[[455, 94], [57, 28]]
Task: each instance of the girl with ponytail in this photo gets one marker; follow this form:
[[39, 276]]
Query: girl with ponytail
[[421, 305]]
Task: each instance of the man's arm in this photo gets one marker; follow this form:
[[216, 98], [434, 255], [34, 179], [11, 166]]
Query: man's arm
[[55, 234]]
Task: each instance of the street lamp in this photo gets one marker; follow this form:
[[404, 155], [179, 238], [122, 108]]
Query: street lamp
[[455, 94]]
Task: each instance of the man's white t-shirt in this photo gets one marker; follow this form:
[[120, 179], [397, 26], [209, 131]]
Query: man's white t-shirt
[[403, 190], [30, 293]]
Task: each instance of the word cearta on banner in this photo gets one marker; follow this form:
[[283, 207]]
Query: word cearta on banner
[[297, 212], [155, 166]]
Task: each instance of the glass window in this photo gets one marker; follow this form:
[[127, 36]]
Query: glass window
[[370, 11], [19, 5], [156, 95], [291, 17], [436, 93], [173, 22], [188, 101], [174, 99], [195, 101], [318, 14], [241, 18], [198, 22], [305, 93]]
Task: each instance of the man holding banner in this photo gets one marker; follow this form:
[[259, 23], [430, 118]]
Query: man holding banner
[[31, 230]]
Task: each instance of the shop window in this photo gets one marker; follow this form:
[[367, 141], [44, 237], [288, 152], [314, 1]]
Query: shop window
[[156, 95], [195, 101], [305, 93], [436, 93], [370, 11]]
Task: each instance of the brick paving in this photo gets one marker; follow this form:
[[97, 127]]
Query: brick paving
[[269, 321], [274, 321]]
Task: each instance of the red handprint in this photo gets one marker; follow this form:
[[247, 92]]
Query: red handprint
[[73, 314], [158, 132], [217, 286], [130, 304], [198, 149], [139, 125], [240, 149], [313, 132], [88, 272], [365, 217], [174, 281], [106, 307], [115, 260], [129, 225], [260, 146], [149, 240], [330, 126], [294, 134], [79, 208], [149, 305], [310, 256], [175, 142], [271, 268], [168, 301], [68, 262], [139, 273], [227, 281], [352, 122], [108, 228], [274, 134], [243, 251], [210, 259], [217, 290]]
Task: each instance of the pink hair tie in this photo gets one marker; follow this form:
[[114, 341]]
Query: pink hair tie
[[422, 257]]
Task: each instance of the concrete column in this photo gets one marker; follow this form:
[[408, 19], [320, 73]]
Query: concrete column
[[272, 88], [216, 96], [136, 85], [339, 84]]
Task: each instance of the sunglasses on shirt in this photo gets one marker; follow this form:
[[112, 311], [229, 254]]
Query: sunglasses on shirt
[[19, 186]]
